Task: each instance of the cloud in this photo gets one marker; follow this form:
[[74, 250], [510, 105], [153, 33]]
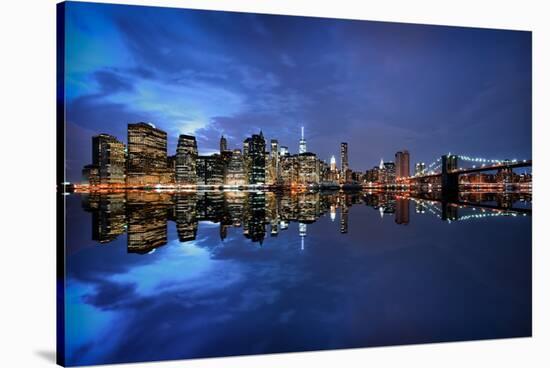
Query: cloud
[[288, 60], [207, 73]]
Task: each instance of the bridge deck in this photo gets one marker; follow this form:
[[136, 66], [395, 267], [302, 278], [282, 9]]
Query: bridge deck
[[511, 165]]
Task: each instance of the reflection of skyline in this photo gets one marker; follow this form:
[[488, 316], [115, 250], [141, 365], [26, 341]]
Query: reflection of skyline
[[145, 215]]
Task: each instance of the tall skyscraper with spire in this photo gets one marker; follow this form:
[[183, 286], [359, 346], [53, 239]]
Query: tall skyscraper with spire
[[302, 148]]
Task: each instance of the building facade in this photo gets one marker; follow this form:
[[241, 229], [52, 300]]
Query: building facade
[[147, 155], [308, 168], [402, 164], [90, 174], [210, 170], [386, 174], [109, 156], [186, 160], [235, 174], [344, 162], [254, 155]]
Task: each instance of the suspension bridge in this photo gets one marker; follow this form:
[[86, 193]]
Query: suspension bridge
[[446, 171]]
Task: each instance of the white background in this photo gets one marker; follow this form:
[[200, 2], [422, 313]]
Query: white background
[[27, 179]]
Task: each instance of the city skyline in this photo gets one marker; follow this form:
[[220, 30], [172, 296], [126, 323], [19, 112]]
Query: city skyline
[[338, 183], [145, 162], [381, 87]]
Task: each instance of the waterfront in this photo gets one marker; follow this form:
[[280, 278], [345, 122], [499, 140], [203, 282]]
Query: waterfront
[[157, 275]]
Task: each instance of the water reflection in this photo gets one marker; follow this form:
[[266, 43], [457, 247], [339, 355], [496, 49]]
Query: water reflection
[[158, 275], [144, 214]]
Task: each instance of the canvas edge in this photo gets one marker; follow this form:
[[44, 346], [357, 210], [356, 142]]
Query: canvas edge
[[60, 178]]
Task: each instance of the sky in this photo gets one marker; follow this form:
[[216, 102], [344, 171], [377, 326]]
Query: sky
[[380, 87]]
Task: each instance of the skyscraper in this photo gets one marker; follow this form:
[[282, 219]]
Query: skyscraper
[[288, 169], [147, 155], [210, 170], [302, 148], [274, 148], [108, 155], [254, 151], [272, 174], [235, 173], [90, 173], [308, 168], [386, 175], [223, 144], [402, 168], [344, 163], [333, 163], [324, 171], [186, 160]]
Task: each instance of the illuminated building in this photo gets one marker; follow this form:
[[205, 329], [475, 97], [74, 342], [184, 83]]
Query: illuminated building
[[283, 151], [344, 163], [373, 175], [254, 155], [308, 168], [302, 148], [333, 163], [345, 173], [147, 155], [109, 155], [386, 173], [419, 168], [324, 171], [235, 174], [289, 169], [272, 170], [402, 165], [223, 144], [90, 174], [186, 160], [210, 170], [357, 177]]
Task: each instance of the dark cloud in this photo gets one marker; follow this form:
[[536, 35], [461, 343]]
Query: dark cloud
[[110, 82]]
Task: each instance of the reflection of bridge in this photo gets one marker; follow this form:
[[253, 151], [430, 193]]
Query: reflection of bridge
[[449, 211], [449, 173]]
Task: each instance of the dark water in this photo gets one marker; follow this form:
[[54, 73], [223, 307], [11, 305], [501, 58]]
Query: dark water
[[156, 276]]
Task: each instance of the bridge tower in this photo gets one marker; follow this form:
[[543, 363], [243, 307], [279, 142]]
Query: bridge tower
[[449, 179]]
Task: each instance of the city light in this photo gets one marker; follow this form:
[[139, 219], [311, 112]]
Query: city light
[[145, 164]]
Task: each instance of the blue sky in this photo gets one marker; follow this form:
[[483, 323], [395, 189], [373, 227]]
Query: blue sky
[[381, 87]]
